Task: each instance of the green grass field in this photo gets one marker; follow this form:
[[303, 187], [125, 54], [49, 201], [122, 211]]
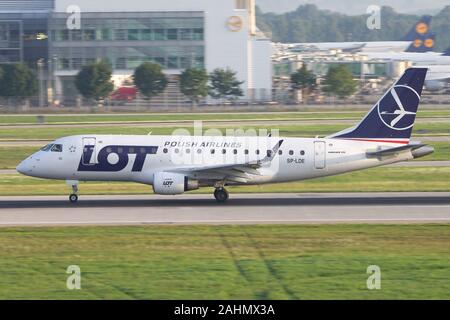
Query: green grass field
[[372, 180], [226, 262], [303, 130], [93, 118]]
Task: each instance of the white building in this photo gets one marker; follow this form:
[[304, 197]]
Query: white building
[[175, 33]]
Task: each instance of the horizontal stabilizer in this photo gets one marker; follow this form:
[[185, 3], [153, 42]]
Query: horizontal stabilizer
[[391, 151]]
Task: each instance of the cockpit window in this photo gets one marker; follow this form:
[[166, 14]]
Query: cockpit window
[[47, 147], [57, 148]]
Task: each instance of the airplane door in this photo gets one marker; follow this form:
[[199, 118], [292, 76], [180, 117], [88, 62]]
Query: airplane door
[[319, 155], [89, 151]]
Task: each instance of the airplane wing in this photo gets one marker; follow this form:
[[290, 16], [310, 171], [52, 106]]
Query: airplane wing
[[237, 172]]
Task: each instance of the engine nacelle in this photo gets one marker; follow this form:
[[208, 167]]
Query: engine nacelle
[[168, 183]]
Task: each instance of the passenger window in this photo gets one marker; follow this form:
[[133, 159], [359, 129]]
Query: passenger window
[[235, 151], [291, 153], [280, 152], [165, 150], [246, 151], [302, 153], [269, 153], [224, 151], [213, 151], [57, 148]]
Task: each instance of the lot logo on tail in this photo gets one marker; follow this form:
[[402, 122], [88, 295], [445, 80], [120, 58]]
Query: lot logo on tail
[[395, 108]]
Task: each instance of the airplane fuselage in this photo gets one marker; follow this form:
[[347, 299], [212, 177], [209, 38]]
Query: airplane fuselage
[[139, 158]]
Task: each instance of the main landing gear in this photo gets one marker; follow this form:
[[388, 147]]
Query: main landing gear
[[221, 195]]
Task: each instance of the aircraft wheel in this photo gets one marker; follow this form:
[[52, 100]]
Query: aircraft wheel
[[221, 195], [73, 198]]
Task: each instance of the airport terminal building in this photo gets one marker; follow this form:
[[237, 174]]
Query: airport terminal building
[[177, 34]]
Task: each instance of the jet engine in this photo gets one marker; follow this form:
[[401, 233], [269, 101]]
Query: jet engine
[[167, 183]]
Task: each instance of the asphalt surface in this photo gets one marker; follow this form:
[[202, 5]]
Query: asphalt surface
[[311, 208]]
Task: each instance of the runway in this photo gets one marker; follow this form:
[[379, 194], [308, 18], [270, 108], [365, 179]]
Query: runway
[[313, 208]]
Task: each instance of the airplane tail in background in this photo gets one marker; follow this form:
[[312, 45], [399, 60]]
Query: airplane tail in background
[[420, 29], [446, 52], [423, 43], [392, 118]]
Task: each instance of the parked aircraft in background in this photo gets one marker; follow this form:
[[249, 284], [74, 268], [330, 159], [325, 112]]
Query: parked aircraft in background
[[418, 39]]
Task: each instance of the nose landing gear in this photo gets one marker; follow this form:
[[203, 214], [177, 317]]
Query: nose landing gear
[[221, 195], [73, 198]]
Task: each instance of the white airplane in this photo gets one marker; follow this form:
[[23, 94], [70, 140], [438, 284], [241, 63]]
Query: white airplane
[[414, 41], [177, 164], [418, 58], [438, 65]]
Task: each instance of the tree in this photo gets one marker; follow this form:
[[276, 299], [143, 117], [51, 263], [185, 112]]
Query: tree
[[303, 80], [94, 81], [194, 84], [149, 79], [224, 85], [339, 81], [17, 81]]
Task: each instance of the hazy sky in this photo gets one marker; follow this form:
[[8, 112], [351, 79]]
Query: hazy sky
[[356, 6]]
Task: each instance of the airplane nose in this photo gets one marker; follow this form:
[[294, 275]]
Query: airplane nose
[[22, 168]]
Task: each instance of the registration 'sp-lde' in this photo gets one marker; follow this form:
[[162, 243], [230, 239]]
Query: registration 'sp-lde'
[[177, 164]]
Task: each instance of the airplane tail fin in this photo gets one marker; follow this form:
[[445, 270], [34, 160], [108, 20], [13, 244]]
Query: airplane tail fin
[[392, 118], [420, 29], [423, 43]]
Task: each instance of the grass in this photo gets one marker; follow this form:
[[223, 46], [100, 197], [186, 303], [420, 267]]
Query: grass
[[226, 262], [61, 119], [335, 114], [372, 180], [10, 157], [302, 130]]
